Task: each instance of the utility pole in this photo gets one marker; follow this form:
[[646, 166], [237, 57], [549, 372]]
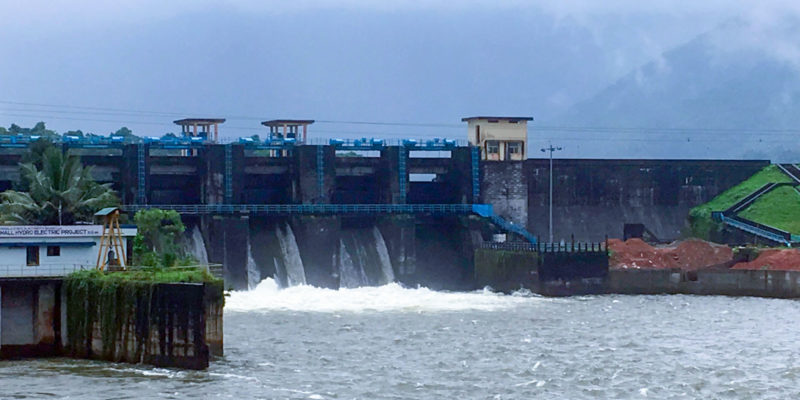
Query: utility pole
[[551, 149]]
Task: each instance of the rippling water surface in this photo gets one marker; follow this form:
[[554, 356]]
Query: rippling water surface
[[395, 343]]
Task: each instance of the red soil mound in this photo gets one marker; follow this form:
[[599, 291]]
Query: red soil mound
[[688, 255], [775, 259]]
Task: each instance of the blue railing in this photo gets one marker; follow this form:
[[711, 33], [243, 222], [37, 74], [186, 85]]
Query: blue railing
[[483, 210], [763, 231], [357, 144], [141, 175], [171, 141], [475, 157], [308, 208], [17, 140]]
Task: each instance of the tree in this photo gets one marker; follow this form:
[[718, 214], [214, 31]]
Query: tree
[[60, 192], [156, 241], [160, 229], [38, 130]]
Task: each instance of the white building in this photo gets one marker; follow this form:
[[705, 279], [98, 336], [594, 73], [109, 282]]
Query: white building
[[52, 250], [499, 138]]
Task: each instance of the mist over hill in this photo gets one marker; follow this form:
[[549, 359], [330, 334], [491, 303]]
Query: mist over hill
[[729, 93]]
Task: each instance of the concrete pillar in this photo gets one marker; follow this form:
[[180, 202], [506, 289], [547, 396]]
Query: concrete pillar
[[235, 240], [308, 183], [238, 174], [129, 177], [460, 174], [212, 162], [390, 159], [46, 315], [318, 239]]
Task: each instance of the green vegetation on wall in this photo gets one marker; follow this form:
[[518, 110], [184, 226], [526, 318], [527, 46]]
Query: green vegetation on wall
[[119, 300], [700, 222]]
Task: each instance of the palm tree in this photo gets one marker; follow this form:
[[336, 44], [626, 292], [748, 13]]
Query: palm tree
[[61, 193]]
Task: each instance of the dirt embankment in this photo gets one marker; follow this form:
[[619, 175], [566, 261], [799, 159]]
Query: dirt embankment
[[687, 255], [696, 254], [774, 259]]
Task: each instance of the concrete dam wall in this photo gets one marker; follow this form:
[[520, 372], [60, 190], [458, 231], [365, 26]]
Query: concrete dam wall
[[339, 252], [594, 198], [591, 199]]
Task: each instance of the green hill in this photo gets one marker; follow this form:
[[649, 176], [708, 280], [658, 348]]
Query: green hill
[[780, 208], [700, 220]]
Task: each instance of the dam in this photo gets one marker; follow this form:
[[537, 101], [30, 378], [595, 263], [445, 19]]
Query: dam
[[343, 213]]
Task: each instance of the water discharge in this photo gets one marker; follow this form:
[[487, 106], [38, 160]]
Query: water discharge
[[195, 246], [267, 296], [253, 273], [295, 272], [350, 275], [383, 257]]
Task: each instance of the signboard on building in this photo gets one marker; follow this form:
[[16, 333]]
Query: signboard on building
[[22, 231]]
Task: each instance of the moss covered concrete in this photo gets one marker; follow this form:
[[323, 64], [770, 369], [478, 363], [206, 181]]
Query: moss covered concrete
[[506, 270], [155, 317]]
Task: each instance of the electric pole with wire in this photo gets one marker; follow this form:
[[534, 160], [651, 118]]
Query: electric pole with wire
[[551, 149]]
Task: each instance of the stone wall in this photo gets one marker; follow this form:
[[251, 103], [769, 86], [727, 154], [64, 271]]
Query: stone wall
[[504, 185]]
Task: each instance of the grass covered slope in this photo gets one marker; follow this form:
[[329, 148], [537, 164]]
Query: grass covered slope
[[780, 208], [700, 217]]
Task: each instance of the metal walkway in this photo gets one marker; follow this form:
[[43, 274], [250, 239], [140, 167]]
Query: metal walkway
[[764, 231], [791, 170], [483, 210]]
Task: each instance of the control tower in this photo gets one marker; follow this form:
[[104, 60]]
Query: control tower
[[201, 127]]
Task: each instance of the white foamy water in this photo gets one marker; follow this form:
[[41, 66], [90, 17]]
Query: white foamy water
[[267, 296]]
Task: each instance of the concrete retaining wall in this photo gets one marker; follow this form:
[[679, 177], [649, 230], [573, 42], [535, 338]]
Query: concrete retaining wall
[[505, 270], [184, 331], [780, 284]]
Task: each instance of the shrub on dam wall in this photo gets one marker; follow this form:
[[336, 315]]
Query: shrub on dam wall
[[155, 316]]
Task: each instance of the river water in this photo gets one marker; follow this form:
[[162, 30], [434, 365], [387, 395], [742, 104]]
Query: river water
[[395, 343]]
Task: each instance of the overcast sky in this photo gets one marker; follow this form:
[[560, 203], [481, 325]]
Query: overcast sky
[[74, 64]]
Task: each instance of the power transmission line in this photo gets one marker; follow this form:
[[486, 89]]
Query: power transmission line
[[539, 132]]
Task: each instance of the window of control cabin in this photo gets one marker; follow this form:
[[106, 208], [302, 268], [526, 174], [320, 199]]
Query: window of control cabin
[[492, 146], [514, 147], [53, 251], [32, 255]]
